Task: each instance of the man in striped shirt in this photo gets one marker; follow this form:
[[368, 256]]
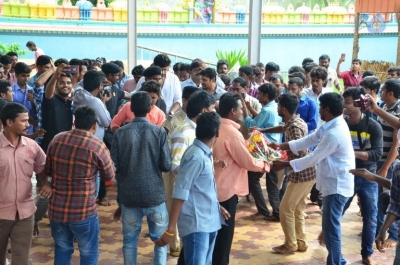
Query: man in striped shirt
[[389, 94]]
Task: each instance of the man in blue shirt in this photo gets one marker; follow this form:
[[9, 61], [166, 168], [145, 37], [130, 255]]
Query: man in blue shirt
[[268, 117], [307, 108], [195, 204], [23, 93]]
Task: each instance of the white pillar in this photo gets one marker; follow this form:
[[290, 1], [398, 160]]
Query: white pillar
[[132, 34], [255, 31]]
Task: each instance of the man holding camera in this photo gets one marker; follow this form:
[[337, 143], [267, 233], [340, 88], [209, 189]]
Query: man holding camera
[[366, 135]]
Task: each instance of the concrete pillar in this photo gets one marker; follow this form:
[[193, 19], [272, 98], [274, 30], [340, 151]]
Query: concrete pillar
[[254, 46], [132, 36]]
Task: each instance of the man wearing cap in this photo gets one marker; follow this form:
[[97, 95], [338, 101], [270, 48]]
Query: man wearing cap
[[208, 83], [171, 87]]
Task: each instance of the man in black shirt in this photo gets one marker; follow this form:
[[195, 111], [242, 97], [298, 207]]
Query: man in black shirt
[[366, 136], [56, 118]]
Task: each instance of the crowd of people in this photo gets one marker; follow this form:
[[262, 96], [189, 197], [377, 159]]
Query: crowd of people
[[174, 138]]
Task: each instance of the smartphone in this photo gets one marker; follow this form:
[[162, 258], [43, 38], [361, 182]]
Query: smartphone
[[243, 95], [343, 56], [71, 69]]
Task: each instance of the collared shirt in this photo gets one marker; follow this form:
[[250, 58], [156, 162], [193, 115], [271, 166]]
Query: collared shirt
[[308, 111], [22, 98], [182, 137], [83, 97], [172, 122], [334, 156], [12, 78], [218, 92], [231, 147], [267, 118], [195, 185], [17, 165], [296, 129], [189, 82], [394, 205], [73, 160], [130, 85], [57, 117], [388, 130], [310, 94], [139, 173], [123, 80], [332, 79], [171, 91], [257, 107], [125, 114], [349, 79]]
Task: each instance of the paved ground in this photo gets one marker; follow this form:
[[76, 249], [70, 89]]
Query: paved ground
[[252, 242]]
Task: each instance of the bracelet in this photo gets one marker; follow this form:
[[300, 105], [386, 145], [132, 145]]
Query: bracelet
[[168, 234]]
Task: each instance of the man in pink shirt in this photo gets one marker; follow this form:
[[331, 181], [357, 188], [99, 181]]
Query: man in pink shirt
[[156, 116], [19, 158], [32, 47], [352, 77], [231, 181]]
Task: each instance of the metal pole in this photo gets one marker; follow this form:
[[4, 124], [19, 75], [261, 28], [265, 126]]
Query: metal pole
[[132, 34], [255, 31]]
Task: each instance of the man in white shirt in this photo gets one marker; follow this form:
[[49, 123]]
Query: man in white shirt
[[171, 90], [332, 80], [195, 68], [334, 156]]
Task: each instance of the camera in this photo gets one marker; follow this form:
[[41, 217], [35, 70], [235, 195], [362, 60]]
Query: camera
[[364, 102], [71, 69]]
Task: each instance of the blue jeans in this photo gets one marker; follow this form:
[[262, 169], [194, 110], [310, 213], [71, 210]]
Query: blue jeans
[[331, 217], [85, 232], [157, 219], [381, 216], [199, 248], [366, 190]]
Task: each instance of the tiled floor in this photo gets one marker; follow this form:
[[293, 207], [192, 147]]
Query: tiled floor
[[252, 242]]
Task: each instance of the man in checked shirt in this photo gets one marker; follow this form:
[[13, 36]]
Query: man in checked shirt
[[73, 160]]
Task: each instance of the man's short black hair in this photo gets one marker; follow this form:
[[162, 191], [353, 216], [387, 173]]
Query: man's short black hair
[[85, 117], [271, 66], [354, 92], [368, 73], [184, 67], [43, 60], [225, 79], [209, 72], [256, 70], [295, 69], [196, 63], [307, 60], [325, 57], [356, 61], [119, 63], [268, 89], [308, 67], [140, 103], [5, 59], [227, 102], [296, 80], [298, 75], [75, 61], [11, 54], [188, 91], [152, 86], [3, 103], [242, 82], [22, 68], [260, 65], [197, 102], [138, 70], [319, 72], [4, 85], [208, 124], [30, 44], [222, 62], [92, 80], [247, 70], [11, 111], [275, 77], [390, 70], [393, 85], [371, 82], [162, 60], [333, 101], [60, 61], [289, 101]]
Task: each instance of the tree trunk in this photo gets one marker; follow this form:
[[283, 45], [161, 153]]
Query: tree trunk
[[356, 47]]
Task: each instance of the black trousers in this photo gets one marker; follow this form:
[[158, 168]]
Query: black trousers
[[273, 192], [223, 243], [315, 196], [256, 191], [102, 190]]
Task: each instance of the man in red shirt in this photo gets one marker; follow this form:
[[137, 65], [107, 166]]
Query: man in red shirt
[[352, 77]]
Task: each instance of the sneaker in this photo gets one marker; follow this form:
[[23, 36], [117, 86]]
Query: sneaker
[[174, 252]]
